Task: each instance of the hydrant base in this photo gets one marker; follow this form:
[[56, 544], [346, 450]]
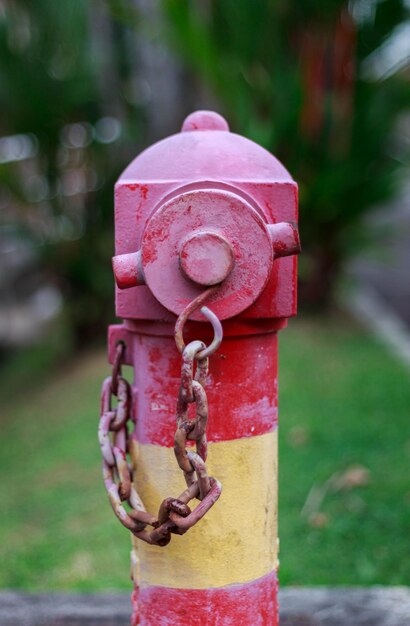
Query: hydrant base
[[249, 604]]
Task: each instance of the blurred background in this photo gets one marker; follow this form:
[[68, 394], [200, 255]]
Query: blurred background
[[325, 86]]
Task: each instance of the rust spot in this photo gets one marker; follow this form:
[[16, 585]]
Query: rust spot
[[280, 247], [135, 186]]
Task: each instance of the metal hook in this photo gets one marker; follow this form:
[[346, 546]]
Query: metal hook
[[218, 333], [210, 316]]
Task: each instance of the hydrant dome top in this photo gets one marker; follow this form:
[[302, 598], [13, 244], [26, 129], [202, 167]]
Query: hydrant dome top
[[204, 120], [205, 149]]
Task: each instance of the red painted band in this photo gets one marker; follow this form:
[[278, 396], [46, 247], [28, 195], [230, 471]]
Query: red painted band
[[249, 604], [241, 388]]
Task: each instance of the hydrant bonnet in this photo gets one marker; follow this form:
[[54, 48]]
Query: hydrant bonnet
[[200, 208]]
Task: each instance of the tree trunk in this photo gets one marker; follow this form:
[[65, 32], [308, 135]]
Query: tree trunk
[[316, 289]]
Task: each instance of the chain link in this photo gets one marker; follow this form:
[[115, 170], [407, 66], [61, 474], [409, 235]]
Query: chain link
[[174, 515]]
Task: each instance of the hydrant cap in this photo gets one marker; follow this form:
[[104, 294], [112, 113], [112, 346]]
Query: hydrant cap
[[205, 150]]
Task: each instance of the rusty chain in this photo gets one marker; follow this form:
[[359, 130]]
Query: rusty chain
[[174, 515]]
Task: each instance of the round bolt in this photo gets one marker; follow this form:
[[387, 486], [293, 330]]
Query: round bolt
[[206, 258]]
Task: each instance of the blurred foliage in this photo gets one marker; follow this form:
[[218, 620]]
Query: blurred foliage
[[297, 77], [64, 75], [304, 80]]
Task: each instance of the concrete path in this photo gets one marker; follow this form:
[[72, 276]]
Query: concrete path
[[385, 267], [381, 298], [310, 606]]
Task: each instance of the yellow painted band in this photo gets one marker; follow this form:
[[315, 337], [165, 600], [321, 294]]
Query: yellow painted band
[[237, 539]]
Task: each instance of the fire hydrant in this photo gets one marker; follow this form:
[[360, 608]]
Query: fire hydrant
[[205, 245]]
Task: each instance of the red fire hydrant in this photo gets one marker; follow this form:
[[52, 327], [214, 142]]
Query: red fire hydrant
[[205, 240]]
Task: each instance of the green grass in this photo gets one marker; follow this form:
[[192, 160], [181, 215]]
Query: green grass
[[352, 401], [343, 402]]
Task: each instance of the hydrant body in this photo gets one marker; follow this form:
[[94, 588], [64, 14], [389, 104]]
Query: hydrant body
[[202, 208]]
